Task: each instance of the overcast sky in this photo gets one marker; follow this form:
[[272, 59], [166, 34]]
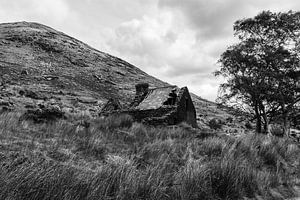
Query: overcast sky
[[178, 41]]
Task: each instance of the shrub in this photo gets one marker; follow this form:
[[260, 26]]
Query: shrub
[[215, 123], [43, 114], [248, 125], [124, 121], [229, 119], [277, 130]]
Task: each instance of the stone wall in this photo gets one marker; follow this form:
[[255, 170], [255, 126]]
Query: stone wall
[[185, 108], [141, 91], [146, 116], [182, 111]]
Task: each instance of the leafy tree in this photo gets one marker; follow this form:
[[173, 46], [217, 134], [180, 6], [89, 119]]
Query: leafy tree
[[262, 70]]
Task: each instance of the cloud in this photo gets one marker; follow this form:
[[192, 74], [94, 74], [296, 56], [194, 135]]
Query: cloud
[[47, 11], [209, 18], [156, 40], [214, 18], [178, 41], [161, 43], [163, 46], [181, 41]]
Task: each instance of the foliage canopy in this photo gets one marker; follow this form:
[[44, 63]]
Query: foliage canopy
[[262, 70]]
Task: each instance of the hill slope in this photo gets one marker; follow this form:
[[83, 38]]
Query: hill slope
[[41, 65]]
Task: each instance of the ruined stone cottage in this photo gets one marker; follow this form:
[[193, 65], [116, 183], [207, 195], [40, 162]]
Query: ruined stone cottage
[[168, 105]]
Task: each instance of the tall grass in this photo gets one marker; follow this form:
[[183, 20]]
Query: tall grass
[[115, 158]]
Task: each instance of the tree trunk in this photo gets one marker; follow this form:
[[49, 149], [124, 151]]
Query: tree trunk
[[266, 120], [258, 119], [285, 121], [266, 126]]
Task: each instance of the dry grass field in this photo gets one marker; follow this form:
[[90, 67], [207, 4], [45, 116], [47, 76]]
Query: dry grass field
[[116, 158]]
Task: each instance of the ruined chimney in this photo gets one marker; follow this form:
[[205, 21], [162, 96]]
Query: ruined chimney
[[141, 90]]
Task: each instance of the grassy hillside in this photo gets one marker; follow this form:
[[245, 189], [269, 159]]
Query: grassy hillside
[[114, 158], [49, 66], [40, 65]]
